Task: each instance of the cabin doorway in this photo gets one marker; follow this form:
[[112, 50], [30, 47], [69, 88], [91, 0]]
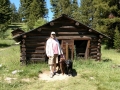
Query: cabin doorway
[[68, 48], [82, 48]]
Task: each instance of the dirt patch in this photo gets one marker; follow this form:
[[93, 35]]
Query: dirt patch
[[9, 79], [26, 79], [46, 76]]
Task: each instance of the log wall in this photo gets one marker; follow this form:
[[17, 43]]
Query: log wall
[[33, 44], [95, 48]]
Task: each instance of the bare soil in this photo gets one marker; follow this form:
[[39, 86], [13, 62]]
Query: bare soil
[[46, 76]]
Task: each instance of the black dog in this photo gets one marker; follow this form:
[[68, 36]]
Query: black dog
[[69, 65]]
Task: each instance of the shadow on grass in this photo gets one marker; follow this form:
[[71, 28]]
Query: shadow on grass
[[4, 45], [107, 60], [74, 73]]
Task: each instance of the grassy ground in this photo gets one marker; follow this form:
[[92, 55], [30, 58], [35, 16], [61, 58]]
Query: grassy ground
[[91, 75]]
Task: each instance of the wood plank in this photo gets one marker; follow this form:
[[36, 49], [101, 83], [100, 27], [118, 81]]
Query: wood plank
[[95, 52], [67, 55], [74, 37], [34, 44], [35, 47], [32, 50], [33, 56], [61, 29], [35, 40], [32, 53], [87, 49]]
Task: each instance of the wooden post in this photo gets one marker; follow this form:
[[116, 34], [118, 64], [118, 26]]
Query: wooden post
[[67, 51], [87, 49]]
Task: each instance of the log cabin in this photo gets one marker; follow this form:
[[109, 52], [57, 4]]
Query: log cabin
[[73, 36]]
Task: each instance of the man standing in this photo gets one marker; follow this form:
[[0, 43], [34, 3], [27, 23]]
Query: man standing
[[53, 49]]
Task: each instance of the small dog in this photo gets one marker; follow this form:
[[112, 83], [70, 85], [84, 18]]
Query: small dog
[[69, 65], [62, 65]]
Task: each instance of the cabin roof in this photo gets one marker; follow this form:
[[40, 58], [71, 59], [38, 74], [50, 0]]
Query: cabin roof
[[57, 19]]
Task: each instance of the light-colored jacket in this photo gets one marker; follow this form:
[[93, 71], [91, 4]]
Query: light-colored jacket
[[49, 50]]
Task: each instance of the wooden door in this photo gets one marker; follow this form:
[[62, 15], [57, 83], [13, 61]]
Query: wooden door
[[68, 48]]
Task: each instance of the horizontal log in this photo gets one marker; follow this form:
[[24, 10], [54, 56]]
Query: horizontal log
[[93, 44], [75, 37], [24, 36], [98, 58], [98, 54], [95, 47], [34, 56], [33, 49], [93, 52], [95, 56], [32, 53], [34, 44], [35, 40], [65, 34], [80, 53], [63, 29]]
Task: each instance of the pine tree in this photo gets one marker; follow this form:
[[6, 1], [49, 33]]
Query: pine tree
[[33, 10], [54, 8], [5, 13], [36, 7], [61, 7], [75, 10], [107, 18], [15, 15], [31, 22], [117, 39], [40, 22], [86, 12]]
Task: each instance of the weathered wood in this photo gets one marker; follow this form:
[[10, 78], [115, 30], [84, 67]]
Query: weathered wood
[[94, 52], [87, 49], [36, 47], [99, 44], [33, 53], [95, 56], [74, 37], [24, 36], [100, 36], [39, 29], [90, 30], [67, 55], [51, 23], [34, 44], [63, 29], [77, 24], [99, 40], [98, 58], [99, 54], [37, 58], [35, 50], [93, 49]]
